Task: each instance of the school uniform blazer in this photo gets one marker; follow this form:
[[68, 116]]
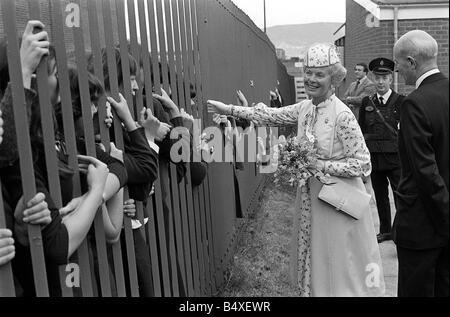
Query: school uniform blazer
[[141, 163], [422, 220]]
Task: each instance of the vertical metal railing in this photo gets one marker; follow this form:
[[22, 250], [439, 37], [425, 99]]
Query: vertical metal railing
[[209, 44], [24, 143], [82, 254]]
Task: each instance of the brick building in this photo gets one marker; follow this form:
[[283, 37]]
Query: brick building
[[372, 28]]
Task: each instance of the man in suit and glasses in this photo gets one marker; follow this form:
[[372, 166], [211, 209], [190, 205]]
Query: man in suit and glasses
[[359, 89], [421, 225], [379, 116]]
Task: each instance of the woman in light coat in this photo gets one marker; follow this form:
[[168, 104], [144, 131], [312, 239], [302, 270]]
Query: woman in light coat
[[332, 253]]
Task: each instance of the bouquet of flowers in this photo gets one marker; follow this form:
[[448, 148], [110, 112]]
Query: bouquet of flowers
[[296, 160]]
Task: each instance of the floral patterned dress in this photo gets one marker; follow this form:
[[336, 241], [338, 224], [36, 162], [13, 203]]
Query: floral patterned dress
[[341, 146]]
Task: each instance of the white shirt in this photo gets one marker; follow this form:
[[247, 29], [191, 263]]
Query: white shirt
[[427, 74], [153, 146], [385, 96]]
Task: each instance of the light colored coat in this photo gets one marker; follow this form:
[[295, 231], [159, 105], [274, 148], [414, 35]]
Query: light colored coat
[[331, 253], [365, 88]]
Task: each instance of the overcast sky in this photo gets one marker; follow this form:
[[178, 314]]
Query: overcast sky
[[282, 12]]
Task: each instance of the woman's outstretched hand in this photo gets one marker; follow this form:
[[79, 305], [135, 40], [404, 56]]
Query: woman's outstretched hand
[[218, 107]]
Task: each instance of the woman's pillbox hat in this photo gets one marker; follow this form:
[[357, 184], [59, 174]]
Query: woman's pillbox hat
[[322, 55]]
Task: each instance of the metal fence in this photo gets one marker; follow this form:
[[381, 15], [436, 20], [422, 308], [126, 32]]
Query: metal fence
[[208, 43]]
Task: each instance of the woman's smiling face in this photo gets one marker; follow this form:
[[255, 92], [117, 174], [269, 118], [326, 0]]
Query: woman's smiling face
[[317, 81]]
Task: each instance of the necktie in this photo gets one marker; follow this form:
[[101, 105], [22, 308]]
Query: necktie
[[381, 101], [357, 84]]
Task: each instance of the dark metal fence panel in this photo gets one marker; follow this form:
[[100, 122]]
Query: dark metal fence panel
[[192, 207], [82, 254], [142, 53], [100, 240], [204, 191], [209, 44], [179, 96], [24, 145], [162, 223]]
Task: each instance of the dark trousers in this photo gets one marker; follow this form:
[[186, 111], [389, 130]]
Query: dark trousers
[[380, 184], [423, 273]]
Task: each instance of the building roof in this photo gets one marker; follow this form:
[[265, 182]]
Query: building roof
[[396, 2], [408, 9], [339, 28]]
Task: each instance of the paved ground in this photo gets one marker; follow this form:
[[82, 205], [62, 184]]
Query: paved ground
[[388, 253]]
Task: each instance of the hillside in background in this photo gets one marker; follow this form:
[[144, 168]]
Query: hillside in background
[[295, 38]]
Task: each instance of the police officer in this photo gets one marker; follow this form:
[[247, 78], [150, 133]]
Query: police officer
[[379, 118]]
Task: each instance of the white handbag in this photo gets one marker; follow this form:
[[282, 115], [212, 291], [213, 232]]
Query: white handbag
[[345, 194]]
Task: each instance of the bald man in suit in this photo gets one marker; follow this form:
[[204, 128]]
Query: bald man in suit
[[421, 225]]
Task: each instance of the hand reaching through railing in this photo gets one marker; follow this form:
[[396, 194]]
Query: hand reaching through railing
[[129, 208], [70, 207], [1, 127], [97, 171], [167, 103], [115, 152], [220, 119], [154, 129], [7, 249], [109, 115], [32, 48], [241, 99], [188, 120], [35, 212], [123, 112]]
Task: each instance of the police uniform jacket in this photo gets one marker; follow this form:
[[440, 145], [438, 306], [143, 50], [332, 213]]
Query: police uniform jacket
[[380, 140]]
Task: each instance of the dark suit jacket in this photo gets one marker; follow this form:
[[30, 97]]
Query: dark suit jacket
[[422, 220], [141, 163]]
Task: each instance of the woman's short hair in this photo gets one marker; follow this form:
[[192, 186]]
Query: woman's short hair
[[338, 73]]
